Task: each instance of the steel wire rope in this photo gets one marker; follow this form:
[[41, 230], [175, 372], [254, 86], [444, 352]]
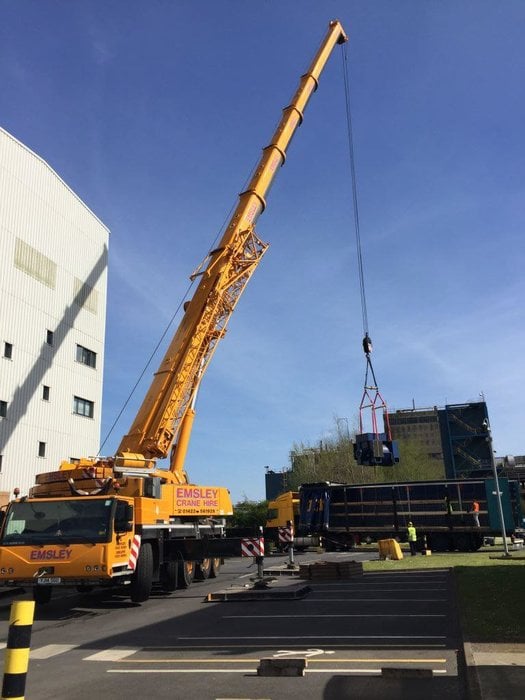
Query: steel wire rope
[[351, 153], [355, 202]]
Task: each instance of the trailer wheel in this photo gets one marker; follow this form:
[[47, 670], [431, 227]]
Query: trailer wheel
[[42, 594], [170, 576], [186, 573], [215, 567], [203, 570], [462, 542], [142, 579]]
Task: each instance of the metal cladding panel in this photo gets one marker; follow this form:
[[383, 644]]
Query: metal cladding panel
[[51, 246]]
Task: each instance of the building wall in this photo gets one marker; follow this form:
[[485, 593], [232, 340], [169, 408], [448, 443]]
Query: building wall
[[421, 426], [53, 266]]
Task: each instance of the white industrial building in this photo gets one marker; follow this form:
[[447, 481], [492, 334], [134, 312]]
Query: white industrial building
[[53, 271]]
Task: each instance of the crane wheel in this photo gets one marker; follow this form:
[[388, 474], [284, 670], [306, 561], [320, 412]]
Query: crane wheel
[[203, 570], [186, 573], [142, 579], [170, 576], [215, 567]]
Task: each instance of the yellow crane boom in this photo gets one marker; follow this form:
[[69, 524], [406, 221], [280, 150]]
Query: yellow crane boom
[[166, 414]]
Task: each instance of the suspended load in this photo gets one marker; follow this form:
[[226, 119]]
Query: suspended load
[[374, 448]]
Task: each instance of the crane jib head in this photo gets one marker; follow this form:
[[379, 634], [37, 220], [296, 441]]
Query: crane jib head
[[344, 37]]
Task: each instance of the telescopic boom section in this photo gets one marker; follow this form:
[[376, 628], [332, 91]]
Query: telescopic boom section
[[224, 274]]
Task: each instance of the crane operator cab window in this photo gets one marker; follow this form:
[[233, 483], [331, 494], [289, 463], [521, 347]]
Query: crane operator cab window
[[63, 522]]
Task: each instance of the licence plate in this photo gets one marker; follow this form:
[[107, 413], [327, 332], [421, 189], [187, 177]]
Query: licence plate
[[48, 581]]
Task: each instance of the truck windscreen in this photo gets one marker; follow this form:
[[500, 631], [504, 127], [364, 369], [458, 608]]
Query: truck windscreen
[[61, 522]]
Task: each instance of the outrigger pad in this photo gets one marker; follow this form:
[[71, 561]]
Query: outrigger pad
[[371, 449]]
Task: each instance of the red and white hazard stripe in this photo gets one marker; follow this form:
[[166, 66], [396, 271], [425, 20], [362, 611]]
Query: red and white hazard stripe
[[134, 552], [285, 535], [252, 547]]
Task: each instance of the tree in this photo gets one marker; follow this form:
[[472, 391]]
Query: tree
[[249, 514], [333, 460]]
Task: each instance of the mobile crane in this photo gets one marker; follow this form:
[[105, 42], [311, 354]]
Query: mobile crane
[[123, 520]]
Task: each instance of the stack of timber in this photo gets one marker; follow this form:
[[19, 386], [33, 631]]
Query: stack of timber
[[324, 570]]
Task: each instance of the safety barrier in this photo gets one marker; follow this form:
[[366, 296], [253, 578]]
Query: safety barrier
[[389, 549], [17, 651]]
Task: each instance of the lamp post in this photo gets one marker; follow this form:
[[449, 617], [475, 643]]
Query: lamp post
[[486, 425]]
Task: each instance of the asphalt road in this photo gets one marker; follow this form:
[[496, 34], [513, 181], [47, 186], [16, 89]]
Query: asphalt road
[[180, 646]]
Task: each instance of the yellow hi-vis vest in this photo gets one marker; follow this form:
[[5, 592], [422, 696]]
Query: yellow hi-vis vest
[[412, 534]]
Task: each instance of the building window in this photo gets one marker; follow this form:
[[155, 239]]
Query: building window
[[8, 350], [3, 409], [83, 407], [49, 337], [41, 449], [86, 357], [45, 393]]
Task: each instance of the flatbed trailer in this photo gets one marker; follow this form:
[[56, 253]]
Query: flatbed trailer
[[346, 515]]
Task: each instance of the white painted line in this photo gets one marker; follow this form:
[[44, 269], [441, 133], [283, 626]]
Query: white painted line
[[323, 636], [110, 655], [336, 615], [412, 601], [46, 652], [253, 669], [383, 590]]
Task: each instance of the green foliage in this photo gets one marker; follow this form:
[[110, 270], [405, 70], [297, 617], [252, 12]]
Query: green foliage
[[249, 514]]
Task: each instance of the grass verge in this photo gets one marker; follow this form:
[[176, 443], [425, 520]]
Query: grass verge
[[490, 589]]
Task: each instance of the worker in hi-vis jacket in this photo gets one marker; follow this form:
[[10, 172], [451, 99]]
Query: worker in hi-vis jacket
[[412, 538]]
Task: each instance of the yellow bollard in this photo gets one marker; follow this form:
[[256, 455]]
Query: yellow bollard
[[17, 651]]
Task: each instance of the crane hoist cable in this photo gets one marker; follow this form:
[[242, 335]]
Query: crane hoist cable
[[371, 396]]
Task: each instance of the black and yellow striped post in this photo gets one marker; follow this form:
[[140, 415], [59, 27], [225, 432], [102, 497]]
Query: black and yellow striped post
[[17, 651]]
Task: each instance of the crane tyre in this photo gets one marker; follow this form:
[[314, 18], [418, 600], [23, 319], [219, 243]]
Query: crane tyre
[[142, 579], [186, 573], [215, 567], [42, 594], [170, 576], [203, 570]]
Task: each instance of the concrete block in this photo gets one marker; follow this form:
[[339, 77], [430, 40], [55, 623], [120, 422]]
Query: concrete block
[[288, 666]]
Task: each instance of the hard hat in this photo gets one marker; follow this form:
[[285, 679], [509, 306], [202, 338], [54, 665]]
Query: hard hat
[[409, 523]]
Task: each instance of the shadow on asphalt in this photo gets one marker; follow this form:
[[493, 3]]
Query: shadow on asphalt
[[375, 687]]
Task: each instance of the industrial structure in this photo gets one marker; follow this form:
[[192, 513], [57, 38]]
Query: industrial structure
[[456, 434], [53, 264]]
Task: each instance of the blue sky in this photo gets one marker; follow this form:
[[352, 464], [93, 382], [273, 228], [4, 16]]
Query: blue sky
[[156, 112]]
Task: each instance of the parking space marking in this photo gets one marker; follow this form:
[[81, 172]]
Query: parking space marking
[[320, 636], [46, 652], [412, 601], [110, 655], [336, 615], [339, 671]]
